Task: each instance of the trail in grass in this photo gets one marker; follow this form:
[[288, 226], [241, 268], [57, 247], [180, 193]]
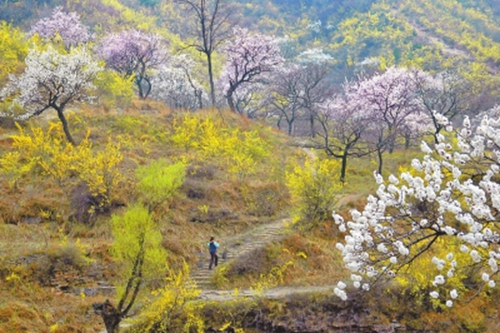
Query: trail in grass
[[238, 246]]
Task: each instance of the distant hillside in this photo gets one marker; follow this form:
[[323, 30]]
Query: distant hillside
[[434, 35]]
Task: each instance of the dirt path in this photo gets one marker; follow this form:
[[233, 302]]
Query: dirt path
[[273, 293], [238, 246]]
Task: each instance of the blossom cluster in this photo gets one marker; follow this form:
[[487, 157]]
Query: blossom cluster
[[451, 195], [66, 25]]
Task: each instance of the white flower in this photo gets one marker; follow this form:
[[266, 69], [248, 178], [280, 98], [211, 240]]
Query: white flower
[[491, 283], [340, 293], [393, 260], [381, 248], [485, 277], [454, 293], [434, 294], [449, 303], [355, 277], [341, 285], [393, 179], [439, 279]]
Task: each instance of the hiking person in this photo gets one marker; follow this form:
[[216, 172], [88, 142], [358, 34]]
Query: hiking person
[[212, 247]]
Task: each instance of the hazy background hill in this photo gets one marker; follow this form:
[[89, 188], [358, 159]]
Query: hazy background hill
[[442, 34]]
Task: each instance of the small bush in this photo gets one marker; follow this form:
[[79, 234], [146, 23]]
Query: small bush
[[314, 188]]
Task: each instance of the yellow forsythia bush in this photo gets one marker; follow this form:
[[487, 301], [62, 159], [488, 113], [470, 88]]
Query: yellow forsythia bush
[[48, 153], [314, 188], [241, 151]]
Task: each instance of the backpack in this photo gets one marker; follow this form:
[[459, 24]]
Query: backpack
[[212, 247]]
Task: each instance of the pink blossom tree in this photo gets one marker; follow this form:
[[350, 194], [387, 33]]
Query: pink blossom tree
[[391, 97], [343, 123], [53, 80], [248, 58], [134, 53], [442, 215], [65, 25]]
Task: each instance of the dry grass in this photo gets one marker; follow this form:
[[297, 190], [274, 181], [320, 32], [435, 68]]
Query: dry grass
[[37, 218]]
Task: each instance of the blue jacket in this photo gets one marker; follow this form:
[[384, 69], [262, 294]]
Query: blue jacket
[[213, 246]]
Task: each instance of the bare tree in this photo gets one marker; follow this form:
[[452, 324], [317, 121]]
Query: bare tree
[[314, 89], [447, 94], [211, 28], [285, 96]]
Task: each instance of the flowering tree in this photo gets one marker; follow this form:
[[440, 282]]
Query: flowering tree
[[249, 57], [52, 81], [65, 25], [391, 98], [173, 83], [133, 53], [442, 215], [343, 125]]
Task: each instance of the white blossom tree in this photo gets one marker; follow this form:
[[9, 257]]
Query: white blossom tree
[[443, 215], [53, 80], [175, 85]]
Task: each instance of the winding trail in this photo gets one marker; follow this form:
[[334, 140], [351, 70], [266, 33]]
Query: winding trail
[[237, 246]]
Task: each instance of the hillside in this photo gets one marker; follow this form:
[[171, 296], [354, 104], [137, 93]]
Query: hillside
[[65, 230], [321, 144]]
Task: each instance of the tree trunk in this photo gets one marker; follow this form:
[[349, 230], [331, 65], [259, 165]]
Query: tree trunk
[[211, 78], [311, 120], [407, 141], [380, 161], [230, 101], [139, 86], [109, 314], [343, 169], [64, 122]]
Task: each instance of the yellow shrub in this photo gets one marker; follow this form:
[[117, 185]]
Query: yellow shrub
[[239, 151], [173, 309], [314, 188], [48, 153]]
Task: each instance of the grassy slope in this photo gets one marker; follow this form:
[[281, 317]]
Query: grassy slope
[[45, 253]]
